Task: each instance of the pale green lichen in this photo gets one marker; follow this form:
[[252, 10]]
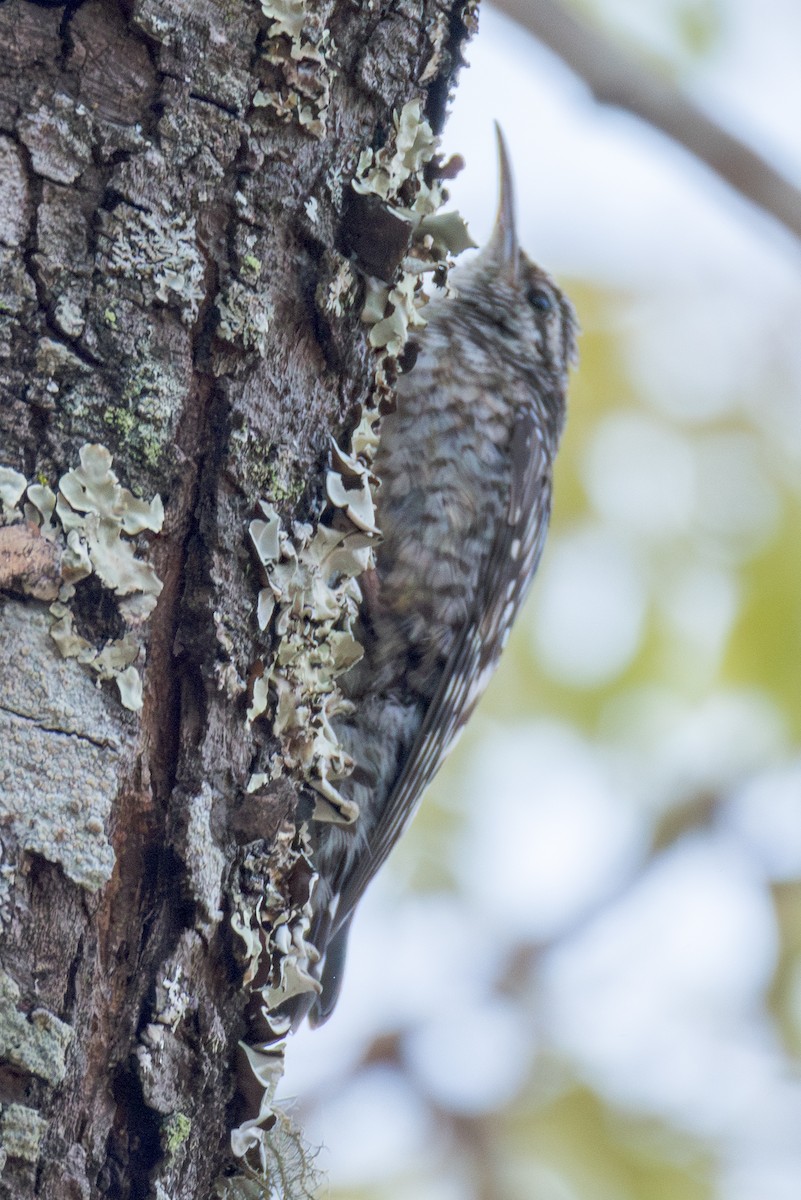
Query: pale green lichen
[[21, 1132], [349, 486], [35, 1043], [312, 597], [402, 304], [299, 45], [158, 252], [272, 920], [175, 1129], [339, 294], [92, 505], [310, 601], [12, 489], [96, 517], [396, 175], [145, 414], [401, 161], [245, 316]]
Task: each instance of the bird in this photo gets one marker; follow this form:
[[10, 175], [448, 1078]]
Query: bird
[[464, 465]]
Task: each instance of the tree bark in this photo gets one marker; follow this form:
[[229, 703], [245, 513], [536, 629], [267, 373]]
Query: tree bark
[[174, 175]]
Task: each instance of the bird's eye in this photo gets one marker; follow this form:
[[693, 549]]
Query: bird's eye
[[539, 299]]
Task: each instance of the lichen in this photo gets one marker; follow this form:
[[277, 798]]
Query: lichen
[[396, 175], [400, 162], [271, 918], [173, 1001], [307, 608], [12, 489], [21, 1132], [312, 599], [245, 316], [145, 413], [159, 254], [93, 519], [64, 821], [309, 604], [93, 506], [297, 51], [400, 303], [175, 1129], [437, 32], [287, 1167], [338, 295], [35, 1043], [64, 733], [68, 317], [271, 468], [58, 134]]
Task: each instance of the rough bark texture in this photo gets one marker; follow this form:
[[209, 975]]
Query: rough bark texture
[[153, 223]]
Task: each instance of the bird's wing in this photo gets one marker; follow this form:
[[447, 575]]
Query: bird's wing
[[503, 582]]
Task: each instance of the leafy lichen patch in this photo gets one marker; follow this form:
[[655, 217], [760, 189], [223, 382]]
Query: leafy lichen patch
[[287, 1167], [337, 297], [245, 316], [36, 1042], [396, 175], [158, 254], [297, 54], [400, 162], [312, 599], [271, 918], [175, 1129], [93, 519], [12, 488]]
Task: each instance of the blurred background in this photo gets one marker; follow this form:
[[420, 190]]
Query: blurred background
[[579, 978]]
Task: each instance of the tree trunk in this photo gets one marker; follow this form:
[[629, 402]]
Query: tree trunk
[[178, 326]]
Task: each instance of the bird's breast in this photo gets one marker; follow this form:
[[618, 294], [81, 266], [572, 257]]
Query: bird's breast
[[444, 471]]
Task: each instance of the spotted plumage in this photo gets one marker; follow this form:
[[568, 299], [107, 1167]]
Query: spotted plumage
[[464, 465]]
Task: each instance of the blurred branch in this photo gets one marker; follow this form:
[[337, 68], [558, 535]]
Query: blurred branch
[[615, 78]]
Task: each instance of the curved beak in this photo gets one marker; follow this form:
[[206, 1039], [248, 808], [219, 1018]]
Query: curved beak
[[502, 246]]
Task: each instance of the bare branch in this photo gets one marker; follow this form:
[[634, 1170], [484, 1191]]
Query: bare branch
[[615, 78]]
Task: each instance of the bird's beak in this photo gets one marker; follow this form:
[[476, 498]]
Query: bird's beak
[[502, 246]]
